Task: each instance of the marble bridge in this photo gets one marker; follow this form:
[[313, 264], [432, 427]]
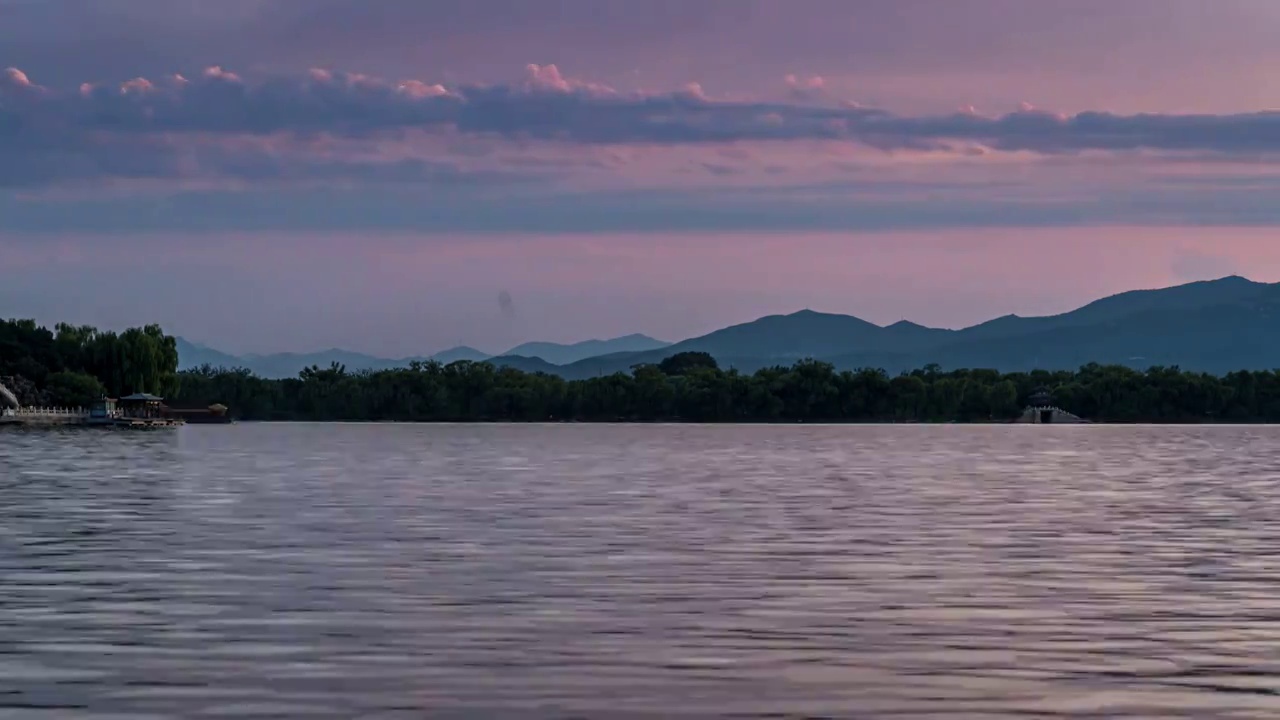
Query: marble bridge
[[1049, 415], [8, 401], [1040, 410]]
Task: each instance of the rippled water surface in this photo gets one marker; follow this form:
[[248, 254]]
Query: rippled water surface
[[392, 571]]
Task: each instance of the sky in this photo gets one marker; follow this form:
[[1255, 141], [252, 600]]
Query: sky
[[404, 176]]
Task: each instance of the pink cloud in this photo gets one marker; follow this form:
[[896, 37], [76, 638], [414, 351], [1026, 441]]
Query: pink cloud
[[215, 72], [15, 78], [419, 90], [137, 85], [814, 82], [547, 78], [806, 88]]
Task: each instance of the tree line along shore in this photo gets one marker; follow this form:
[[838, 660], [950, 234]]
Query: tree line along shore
[[73, 365]]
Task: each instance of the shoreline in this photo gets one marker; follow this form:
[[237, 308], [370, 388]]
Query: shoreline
[[772, 423]]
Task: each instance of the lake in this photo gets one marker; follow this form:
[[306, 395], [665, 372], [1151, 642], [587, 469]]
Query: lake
[[590, 571]]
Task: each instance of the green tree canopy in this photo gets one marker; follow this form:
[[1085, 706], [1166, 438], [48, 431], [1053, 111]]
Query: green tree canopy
[[136, 360], [684, 362]]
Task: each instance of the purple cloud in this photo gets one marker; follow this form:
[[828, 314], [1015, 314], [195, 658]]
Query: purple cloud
[[137, 128]]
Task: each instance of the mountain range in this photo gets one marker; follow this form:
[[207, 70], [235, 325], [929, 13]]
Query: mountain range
[[280, 365], [1213, 326]]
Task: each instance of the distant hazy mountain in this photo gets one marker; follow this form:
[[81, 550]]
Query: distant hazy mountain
[[194, 355], [1192, 295], [462, 352], [532, 357], [1236, 328], [283, 365], [810, 334], [558, 354], [1214, 326], [526, 364], [774, 340]]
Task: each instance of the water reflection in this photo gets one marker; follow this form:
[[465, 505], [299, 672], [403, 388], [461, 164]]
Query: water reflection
[[605, 571]]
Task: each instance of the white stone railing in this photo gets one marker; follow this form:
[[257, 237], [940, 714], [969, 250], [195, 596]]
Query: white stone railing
[[47, 412]]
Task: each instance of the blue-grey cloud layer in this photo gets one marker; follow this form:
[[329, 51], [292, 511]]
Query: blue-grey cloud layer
[[140, 129], [550, 107]]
